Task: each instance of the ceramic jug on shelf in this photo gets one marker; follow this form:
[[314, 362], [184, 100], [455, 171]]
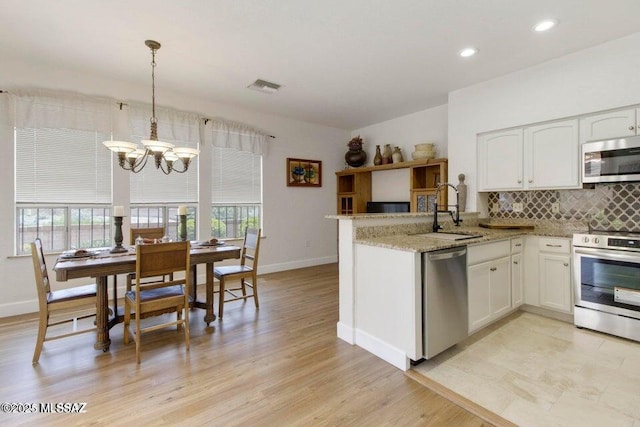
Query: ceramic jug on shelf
[[386, 155], [377, 160], [397, 155]]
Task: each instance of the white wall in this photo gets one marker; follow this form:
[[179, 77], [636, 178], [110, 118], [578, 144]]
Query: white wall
[[424, 126], [292, 216], [599, 78]]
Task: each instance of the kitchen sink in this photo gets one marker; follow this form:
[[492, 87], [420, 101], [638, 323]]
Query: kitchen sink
[[449, 236]]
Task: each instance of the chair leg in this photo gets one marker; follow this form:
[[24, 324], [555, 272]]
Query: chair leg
[[137, 338], [243, 287], [179, 317], [42, 332], [127, 321], [255, 290], [221, 298], [186, 325]]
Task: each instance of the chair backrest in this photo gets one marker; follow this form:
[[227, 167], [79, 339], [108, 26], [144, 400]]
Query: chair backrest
[[145, 233], [163, 258], [251, 247], [40, 270]]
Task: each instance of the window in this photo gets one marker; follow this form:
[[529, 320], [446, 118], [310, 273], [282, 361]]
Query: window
[[63, 227], [163, 216], [236, 192], [63, 188]]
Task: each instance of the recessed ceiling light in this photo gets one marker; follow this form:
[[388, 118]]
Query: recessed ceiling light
[[545, 25], [467, 52]]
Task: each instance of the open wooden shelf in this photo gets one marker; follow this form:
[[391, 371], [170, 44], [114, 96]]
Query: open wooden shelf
[[354, 185], [402, 165]]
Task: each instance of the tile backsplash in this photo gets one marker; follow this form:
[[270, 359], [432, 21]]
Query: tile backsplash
[[606, 207]]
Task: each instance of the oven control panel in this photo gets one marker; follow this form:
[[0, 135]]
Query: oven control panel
[[616, 242], [629, 243]]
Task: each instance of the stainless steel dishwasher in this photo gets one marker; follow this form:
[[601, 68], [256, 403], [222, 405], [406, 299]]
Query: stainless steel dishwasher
[[444, 305]]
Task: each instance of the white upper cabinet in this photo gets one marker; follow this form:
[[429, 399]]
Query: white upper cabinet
[[537, 157], [500, 160], [615, 124], [552, 155]]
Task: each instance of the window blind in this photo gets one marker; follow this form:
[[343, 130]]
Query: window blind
[[236, 176], [62, 166]]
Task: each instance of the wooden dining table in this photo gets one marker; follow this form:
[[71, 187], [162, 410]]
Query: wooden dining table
[[103, 264]]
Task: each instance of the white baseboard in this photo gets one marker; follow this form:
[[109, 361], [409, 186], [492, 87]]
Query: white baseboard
[[346, 333], [293, 265], [383, 350], [17, 308]]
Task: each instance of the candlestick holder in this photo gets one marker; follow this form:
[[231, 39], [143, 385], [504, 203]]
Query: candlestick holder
[[183, 227], [117, 221]]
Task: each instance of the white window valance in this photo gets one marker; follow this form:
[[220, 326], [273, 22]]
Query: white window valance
[[42, 108], [173, 125], [228, 134]]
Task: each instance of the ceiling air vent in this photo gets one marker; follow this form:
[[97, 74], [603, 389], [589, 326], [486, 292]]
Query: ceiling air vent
[[264, 86]]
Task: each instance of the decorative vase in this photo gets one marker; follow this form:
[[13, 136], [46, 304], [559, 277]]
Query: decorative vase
[[426, 150], [397, 155], [462, 193], [356, 156], [386, 155], [377, 160]]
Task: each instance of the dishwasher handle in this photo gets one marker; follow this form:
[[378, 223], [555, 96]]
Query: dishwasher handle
[[438, 256]]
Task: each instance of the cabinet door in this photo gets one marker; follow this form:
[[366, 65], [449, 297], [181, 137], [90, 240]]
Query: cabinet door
[[500, 283], [500, 160], [479, 296], [517, 274], [615, 124], [345, 205], [555, 282], [552, 153]]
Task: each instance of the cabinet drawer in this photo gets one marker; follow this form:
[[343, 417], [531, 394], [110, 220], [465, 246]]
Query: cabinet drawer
[[517, 244], [487, 251], [555, 245]]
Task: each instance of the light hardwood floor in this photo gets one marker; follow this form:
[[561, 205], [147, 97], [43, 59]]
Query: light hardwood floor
[[281, 365]]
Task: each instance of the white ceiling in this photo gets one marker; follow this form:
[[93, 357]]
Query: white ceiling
[[342, 63]]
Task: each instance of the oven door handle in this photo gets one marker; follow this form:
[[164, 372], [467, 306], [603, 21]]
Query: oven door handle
[[608, 254]]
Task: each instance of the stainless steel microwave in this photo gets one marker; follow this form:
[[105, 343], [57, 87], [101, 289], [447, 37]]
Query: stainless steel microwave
[[612, 160]]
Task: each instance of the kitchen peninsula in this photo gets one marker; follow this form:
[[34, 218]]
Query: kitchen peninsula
[[380, 274]]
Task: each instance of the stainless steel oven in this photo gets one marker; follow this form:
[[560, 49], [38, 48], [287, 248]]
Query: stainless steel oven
[[607, 282], [613, 160]]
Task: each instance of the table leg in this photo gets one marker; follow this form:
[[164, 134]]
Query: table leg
[[193, 292], [209, 316], [102, 315]]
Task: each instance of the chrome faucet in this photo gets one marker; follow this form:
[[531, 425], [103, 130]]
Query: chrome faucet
[[456, 219]]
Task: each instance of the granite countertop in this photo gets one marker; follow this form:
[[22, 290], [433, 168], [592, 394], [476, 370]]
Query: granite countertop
[[421, 243]]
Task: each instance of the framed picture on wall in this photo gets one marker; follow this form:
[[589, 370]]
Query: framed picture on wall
[[304, 173]]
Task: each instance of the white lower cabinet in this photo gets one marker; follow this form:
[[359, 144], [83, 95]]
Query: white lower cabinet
[[489, 282], [555, 282], [517, 272], [517, 275], [554, 272]]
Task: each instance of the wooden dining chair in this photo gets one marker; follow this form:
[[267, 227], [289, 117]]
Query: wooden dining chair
[[157, 298], [57, 302], [148, 234], [145, 233], [246, 272]]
